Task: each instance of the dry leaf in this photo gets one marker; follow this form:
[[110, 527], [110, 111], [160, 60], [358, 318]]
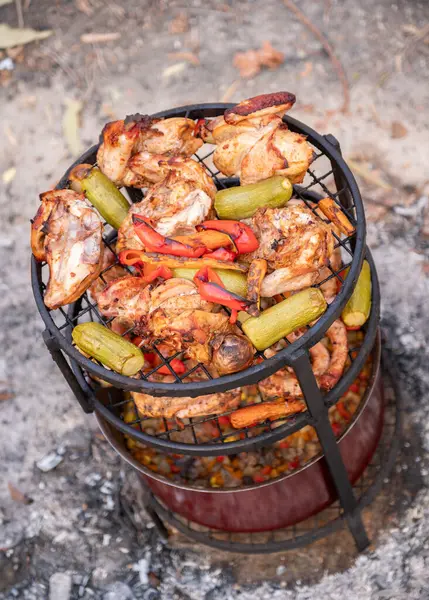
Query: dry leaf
[[398, 130], [10, 36], [71, 125], [6, 396], [188, 56], [179, 24], [8, 175], [17, 495], [85, 7], [96, 38], [251, 62], [174, 69]]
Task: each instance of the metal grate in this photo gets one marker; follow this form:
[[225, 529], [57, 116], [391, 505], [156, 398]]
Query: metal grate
[[334, 180], [322, 524]]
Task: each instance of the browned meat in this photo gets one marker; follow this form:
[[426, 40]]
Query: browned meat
[[254, 143], [176, 204], [67, 233], [181, 408], [121, 140], [295, 242]]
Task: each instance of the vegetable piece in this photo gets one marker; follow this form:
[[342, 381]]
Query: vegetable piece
[[109, 348], [255, 276], [163, 272], [231, 353], [357, 309], [155, 242], [176, 364], [210, 288], [243, 201], [231, 280], [105, 196], [210, 239], [242, 234], [250, 415], [133, 257], [223, 254], [77, 174], [280, 320], [333, 212]]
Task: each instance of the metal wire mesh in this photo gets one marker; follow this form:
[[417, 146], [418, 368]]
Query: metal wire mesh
[[326, 177], [324, 522]]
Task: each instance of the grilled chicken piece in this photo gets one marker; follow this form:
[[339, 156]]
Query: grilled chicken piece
[[295, 242], [127, 298], [175, 313], [181, 408], [176, 204], [67, 233], [327, 369], [109, 272], [254, 143], [121, 140]]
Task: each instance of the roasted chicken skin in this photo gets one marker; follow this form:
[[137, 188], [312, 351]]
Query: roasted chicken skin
[[181, 408], [122, 140], [253, 143], [176, 204], [67, 233], [174, 312], [294, 242]]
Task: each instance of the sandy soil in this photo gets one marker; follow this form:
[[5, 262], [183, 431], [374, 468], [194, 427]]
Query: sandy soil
[[76, 524]]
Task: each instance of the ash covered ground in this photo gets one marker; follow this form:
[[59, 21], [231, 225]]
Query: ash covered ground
[[85, 534]]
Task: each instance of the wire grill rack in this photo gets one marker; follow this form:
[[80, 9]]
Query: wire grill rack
[[323, 523], [328, 176]]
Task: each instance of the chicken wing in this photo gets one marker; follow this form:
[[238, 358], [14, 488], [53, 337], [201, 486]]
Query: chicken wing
[[67, 233], [121, 140], [181, 408], [295, 242], [176, 204], [254, 143]]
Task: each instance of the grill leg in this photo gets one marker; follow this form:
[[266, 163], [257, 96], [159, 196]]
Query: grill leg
[[64, 367], [337, 469]]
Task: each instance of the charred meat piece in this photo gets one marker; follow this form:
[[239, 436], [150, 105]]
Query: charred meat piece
[[67, 233], [175, 205], [294, 242], [254, 143], [121, 140], [181, 408]]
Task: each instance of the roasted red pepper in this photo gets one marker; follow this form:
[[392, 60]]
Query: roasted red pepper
[[242, 235], [211, 289], [163, 272], [155, 242], [176, 364], [223, 254]]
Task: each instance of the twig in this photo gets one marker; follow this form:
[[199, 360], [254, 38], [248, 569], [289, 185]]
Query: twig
[[19, 13], [230, 91], [336, 63]]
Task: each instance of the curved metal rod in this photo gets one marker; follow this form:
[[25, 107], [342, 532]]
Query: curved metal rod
[[267, 367]]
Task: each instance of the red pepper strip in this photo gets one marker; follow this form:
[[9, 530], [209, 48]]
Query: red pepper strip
[[211, 289], [355, 328], [155, 242], [343, 410], [162, 271], [176, 364], [223, 254], [243, 236]]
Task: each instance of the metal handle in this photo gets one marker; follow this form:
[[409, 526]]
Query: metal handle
[[58, 357]]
